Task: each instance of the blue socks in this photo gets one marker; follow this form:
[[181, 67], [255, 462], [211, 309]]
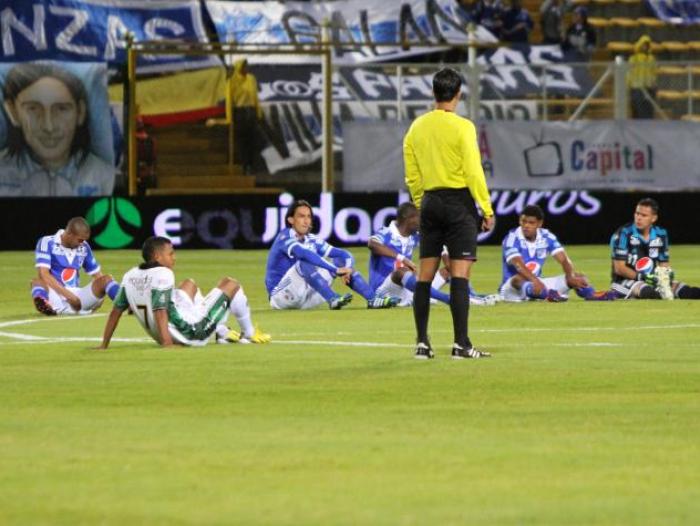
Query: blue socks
[[585, 292], [313, 278], [527, 289], [112, 289], [359, 285], [40, 292], [409, 281]]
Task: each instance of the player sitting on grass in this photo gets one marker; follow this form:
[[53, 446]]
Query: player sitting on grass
[[179, 315], [58, 259], [299, 277], [640, 259], [391, 271], [525, 250]]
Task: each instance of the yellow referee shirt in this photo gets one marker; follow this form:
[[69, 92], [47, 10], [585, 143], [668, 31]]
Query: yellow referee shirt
[[440, 150]]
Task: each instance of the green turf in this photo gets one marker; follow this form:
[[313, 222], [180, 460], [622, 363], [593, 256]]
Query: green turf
[[588, 413]]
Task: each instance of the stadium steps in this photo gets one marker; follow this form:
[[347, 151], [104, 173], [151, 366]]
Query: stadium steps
[[192, 158]]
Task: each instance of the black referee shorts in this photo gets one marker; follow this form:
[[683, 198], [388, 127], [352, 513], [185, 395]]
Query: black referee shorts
[[448, 217]]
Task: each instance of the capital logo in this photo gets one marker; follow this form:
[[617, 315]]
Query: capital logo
[[112, 218]]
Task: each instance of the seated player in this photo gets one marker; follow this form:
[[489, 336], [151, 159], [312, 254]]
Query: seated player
[[391, 271], [58, 259], [179, 315], [299, 277], [525, 250], [640, 259]]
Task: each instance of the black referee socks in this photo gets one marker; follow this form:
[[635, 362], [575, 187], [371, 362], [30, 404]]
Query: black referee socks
[[421, 310], [459, 305]]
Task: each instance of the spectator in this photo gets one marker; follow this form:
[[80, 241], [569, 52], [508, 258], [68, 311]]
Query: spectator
[[641, 79], [580, 36], [242, 101], [517, 23], [552, 20], [487, 13], [465, 9]]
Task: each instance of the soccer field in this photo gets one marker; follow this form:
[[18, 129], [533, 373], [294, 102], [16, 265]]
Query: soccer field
[[588, 413]]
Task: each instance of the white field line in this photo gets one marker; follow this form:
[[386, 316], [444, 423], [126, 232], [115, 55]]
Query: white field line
[[46, 318]]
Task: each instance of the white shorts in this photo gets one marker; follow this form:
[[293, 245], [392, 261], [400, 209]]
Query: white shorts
[[88, 301], [389, 288], [194, 311], [510, 293], [293, 292]]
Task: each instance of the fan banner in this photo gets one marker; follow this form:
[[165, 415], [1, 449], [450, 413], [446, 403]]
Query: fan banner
[[95, 31], [360, 27]]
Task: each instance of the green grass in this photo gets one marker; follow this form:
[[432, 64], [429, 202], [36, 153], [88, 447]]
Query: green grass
[[588, 413]]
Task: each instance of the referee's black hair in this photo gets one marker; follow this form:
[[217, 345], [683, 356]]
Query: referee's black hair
[[404, 211], [293, 208], [533, 211], [651, 203], [150, 248], [446, 84]]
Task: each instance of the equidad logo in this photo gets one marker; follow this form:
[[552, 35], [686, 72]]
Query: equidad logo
[[111, 218]]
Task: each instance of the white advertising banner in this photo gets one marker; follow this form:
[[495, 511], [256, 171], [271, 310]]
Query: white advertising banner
[[621, 155]]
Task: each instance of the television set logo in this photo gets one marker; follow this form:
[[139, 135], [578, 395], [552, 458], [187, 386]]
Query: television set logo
[[544, 159], [113, 221]]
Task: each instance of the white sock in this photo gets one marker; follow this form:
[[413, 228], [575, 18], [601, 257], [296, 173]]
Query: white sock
[[438, 281], [221, 330], [240, 309]]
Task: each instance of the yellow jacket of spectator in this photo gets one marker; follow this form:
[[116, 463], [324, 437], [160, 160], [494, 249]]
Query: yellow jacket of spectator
[[440, 150], [642, 72], [241, 91]]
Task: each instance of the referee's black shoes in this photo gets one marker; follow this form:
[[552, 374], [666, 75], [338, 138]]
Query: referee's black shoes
[[424, 352], [460, 353]]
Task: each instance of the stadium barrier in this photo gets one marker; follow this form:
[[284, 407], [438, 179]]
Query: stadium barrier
[[344, 219]]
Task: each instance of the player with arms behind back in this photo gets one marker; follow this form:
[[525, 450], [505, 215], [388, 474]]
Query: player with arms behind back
[[641, 261], [59, 259], [299, 277], [525, 250], [391, 269], [179, 315]]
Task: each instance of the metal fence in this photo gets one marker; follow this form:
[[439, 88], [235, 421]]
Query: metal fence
[[553, 91]]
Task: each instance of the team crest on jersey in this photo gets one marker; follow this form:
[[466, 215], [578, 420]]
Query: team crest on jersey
[[68, 275]]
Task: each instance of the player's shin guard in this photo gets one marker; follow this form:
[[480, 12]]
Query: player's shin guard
[[459, 305], [112, 289], [409, 282], [686, 292], [310, 273], [240, 309], [421, 310], [40, 292], [530, 292], [359, 285]]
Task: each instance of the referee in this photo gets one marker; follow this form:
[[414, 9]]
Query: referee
[[445, 178]]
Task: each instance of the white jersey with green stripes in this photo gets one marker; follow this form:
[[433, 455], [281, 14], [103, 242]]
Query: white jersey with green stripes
[[147, 290]]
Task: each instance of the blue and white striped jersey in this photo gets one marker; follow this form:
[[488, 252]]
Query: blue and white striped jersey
[[280, 259], [534, 253], [381, 266], [65, 263]]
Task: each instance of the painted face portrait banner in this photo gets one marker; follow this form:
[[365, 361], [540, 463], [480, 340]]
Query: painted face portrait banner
[[55, 130]]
